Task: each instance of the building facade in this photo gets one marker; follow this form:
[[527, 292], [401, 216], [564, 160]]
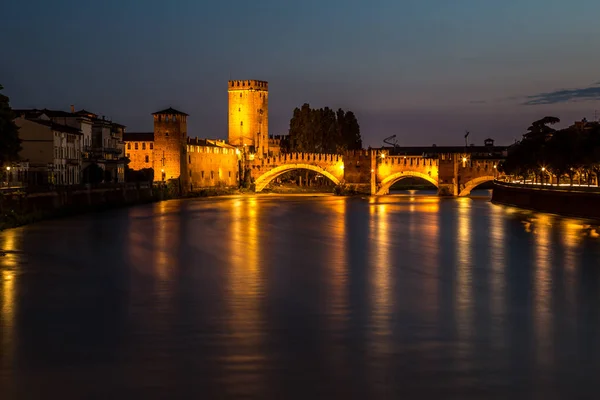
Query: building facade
[[139, 149], [100, 143], [52, 150], [248, 116], [196, 163]]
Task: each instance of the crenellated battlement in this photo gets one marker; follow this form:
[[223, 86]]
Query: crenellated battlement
[[248, 85], [292, 158]]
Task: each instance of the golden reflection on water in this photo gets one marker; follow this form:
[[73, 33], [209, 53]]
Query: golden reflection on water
[[464, 276], [245, 289], [381, 311], [573, 234], [8, 285], [542, 286], [497, 273], [337, 265], [429, 232]]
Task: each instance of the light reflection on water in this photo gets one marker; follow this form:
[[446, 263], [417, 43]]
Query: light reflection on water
[[300, 297]]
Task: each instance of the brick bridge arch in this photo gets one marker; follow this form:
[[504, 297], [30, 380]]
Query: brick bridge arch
[[265, 170], [473, 183], [387, 182]]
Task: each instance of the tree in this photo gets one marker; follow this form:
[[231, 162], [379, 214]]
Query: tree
[[10, 144], [323, 130]]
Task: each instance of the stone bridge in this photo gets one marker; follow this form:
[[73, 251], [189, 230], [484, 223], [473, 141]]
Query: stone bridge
[[265, 170], [453, 174], [453, 171]]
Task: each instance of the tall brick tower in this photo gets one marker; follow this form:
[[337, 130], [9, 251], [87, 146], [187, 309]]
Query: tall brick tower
[[249, 116], [170, 145]]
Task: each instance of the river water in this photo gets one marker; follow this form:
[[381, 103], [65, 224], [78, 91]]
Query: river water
[[277, 297]]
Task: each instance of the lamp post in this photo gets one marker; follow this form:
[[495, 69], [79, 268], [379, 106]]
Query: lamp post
[[8, 176]]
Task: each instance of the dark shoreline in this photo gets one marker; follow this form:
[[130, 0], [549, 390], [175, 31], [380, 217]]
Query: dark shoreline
[[569, 203]]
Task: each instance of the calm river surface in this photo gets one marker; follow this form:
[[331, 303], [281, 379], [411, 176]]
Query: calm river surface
[[277, 297]]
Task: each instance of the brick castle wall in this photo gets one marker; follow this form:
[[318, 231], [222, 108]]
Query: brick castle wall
[[140, 154]]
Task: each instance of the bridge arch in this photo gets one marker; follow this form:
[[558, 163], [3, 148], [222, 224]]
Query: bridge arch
[[262, 181], [387, 182], [473, 183]]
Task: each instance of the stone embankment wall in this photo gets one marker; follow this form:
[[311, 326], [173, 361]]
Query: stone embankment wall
[[19, 208], [573, 202]]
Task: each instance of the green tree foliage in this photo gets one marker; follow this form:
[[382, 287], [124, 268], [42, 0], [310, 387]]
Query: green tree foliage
[[323, 130], [545, 152], [10, 144]]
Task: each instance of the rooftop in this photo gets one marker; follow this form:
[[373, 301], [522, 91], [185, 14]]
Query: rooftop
[[138, 136], [170, 110], [55, 127]]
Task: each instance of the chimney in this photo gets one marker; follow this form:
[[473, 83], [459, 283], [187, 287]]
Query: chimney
[[72, 108]]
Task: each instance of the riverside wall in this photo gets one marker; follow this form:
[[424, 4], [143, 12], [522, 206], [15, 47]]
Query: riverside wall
[[19, 208], [571, 202]]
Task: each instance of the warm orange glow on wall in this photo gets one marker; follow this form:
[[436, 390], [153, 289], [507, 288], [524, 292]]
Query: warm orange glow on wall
[[248, 116]]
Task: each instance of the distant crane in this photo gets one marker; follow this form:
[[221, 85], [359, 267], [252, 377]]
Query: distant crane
[[387, 140]]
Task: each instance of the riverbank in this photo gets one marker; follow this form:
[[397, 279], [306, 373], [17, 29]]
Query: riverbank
[[565, 201], [18, 208]]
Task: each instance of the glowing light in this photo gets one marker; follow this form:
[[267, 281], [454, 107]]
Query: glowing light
[[464, 159], [495, 166], [237, 151], [342, 166], [8, 168], [372, 170], [543, 169], [382, 155], [251, 157]]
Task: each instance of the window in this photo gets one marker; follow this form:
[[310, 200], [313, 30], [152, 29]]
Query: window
[[174, 118], [151, 146], [136, 146], [128, 155], [167, 118], [202, 174], [241, 123], [212, 175], [128, 146], [230, 174], [143, 146], [166, 133], [189, 159], [147, 159], [240, 95]]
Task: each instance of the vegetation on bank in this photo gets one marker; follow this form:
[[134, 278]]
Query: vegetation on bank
[[10, 144], [322, 130], [548, 155]]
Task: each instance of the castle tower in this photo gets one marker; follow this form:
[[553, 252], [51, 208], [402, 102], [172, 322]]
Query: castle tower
[[249, 115], [170, 145]]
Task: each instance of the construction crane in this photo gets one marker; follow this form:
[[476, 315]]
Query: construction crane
[[387, 140]]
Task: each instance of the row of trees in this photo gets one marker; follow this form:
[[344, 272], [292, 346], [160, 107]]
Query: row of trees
[[323, 130], [549, 155]]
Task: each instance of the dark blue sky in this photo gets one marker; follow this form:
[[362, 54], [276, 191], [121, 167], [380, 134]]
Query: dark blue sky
[[424, 70]]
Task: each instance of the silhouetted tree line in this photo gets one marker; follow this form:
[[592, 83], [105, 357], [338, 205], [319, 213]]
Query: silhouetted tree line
[[550, 156], [323, 130], [10, 144]]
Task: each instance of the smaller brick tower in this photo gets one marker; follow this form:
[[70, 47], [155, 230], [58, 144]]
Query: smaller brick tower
[[170, 145]]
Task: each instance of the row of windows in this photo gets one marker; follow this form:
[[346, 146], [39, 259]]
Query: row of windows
[[137, 148], [203, 149], [258, 84], [212, 174], [146, 158]]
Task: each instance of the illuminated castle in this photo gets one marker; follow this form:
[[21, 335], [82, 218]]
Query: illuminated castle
[[248, 117]]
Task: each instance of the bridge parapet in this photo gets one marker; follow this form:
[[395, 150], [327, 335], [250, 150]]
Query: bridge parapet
[[265, 170]]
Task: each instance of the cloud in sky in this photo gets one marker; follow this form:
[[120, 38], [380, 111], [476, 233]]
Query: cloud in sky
[[564, 96]]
